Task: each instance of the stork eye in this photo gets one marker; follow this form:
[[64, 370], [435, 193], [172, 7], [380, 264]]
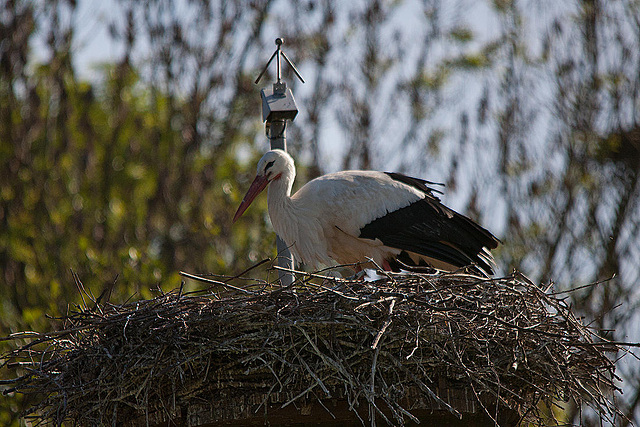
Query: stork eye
[[266, 168]]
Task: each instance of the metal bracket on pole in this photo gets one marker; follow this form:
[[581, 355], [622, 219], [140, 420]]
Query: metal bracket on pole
[[278, 106]]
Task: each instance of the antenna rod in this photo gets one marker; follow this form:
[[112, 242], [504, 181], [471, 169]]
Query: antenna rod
[[293, 67], [266, 67], [276, 54], [279, 42]]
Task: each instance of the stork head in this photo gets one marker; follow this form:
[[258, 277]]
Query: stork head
[[274, 165]]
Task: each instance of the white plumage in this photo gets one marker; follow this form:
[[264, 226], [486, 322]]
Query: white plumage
[[351, 216]]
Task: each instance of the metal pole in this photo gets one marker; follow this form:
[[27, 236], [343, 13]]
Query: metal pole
[[278, 106], [278, 139]]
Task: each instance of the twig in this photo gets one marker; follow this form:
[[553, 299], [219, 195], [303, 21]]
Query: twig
[[215, 282]]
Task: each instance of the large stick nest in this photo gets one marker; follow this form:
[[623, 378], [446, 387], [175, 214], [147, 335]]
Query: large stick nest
[[505, 341]]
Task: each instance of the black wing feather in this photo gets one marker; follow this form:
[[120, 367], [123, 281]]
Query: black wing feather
[[429, 228], [420, 184]]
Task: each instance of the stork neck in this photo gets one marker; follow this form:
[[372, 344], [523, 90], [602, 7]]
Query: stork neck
[[281, 205], [279, 192]]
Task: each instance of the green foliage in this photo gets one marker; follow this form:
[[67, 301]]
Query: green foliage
[[461, 34], [106, 181], [471, 61], [502, 5]]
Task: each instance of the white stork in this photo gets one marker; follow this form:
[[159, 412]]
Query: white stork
[[352, 216]]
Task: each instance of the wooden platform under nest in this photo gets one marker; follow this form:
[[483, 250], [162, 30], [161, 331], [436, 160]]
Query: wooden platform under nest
[[391, 351]]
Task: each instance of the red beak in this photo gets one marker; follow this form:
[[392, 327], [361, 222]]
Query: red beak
[[258, 184]]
